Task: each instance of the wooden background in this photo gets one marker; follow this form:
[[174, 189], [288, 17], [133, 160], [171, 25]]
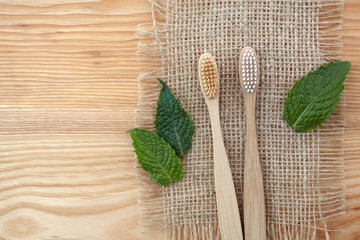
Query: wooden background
[[68, 91]]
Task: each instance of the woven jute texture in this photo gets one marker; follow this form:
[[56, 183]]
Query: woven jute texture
[[301, 171]]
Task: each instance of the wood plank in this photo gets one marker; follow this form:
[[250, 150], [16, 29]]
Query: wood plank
[[347, 225], [60, 185], [68, 91]]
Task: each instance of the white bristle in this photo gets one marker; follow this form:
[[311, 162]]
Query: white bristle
[[249, 70]]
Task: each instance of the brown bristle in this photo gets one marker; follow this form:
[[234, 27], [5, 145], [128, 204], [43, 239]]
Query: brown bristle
[[209, 77]]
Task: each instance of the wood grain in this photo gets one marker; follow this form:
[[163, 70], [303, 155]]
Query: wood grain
[[254, 198], [226, 200], [68, 91], [347, 225]]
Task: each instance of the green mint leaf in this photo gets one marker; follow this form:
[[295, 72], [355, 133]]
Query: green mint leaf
[[314, 97], [156, 156], [172, 122]]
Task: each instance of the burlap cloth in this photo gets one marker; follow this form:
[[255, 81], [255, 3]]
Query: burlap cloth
[[301, 171]]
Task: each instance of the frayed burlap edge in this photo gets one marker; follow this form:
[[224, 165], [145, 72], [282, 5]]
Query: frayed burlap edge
[[150, 194]]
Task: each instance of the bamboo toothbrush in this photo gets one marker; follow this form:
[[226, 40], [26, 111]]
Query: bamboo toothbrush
[[254, 200], [227, 205]]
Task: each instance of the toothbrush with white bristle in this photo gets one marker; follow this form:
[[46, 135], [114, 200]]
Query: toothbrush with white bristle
[[227, 205], [254, 199]]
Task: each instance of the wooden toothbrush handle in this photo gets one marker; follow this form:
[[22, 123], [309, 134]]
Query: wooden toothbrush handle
[[254, 199], [227, 204]]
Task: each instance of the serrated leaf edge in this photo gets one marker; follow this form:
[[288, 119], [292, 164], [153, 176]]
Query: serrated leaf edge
[[290, 92], [182, 153], [132, 131]]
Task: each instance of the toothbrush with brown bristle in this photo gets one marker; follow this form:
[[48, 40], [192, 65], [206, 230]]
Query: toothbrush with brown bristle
[[227, 205], [254, 200]]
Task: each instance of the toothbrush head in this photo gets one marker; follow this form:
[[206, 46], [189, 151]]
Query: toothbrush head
[[248, 67], [208, 76]]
